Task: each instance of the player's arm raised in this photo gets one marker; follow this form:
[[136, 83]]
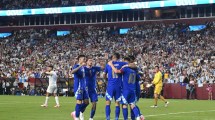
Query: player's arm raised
[[130, 65], [49, 73], [76, 69]]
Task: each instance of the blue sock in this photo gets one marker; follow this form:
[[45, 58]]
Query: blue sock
[[108, 111], [136, 112], [83, 107], [117, 112], [125, 113], [132, 115], [77, 110], [92, 113]]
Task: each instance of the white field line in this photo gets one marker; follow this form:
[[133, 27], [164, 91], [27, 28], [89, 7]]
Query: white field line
[[15, 102], [176, 113]]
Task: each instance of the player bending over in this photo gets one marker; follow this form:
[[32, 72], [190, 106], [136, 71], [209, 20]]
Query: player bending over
[[128, 89], [52, 88], [80, 88]]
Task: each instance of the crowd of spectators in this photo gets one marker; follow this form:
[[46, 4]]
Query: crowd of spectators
[[21, 4], [182, 56]]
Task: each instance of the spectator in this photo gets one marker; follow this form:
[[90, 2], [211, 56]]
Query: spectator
[[188, 91], [210, 92], [7, 88]]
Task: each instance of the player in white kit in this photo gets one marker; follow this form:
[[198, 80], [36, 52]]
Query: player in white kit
[[52, 88]]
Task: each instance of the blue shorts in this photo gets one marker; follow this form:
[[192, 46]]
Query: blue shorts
[[93, 95], [128, 97], [81, 94], [113, 92]]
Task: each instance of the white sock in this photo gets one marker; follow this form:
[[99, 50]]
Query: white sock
[[46, 101], [57, 100]]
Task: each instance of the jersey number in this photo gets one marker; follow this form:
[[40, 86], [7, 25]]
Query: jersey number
[[132, 78], [114, 75]]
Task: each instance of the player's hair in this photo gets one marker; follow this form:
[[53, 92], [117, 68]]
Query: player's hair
[[131, 57], [80, 56], [117, 55], [51, 66], [127, 58], [89, 57]]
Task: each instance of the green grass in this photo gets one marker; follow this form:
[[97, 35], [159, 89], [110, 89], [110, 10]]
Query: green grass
[[28, 108]]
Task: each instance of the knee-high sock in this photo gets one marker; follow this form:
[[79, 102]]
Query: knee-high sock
[[117, 112], [57, 100], [125, 113], [83, 107], [139, 110], [108, 111], [92, 113], [132, 115], [136, 112], [77, 110], [46, 101]]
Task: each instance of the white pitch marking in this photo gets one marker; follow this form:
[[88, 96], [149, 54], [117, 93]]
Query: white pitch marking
[[177, 113]]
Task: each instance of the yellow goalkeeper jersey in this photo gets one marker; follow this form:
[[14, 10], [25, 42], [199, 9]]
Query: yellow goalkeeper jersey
[[157, 81]]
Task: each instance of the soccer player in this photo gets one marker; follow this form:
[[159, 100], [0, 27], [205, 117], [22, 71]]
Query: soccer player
[[52, 88], [113, 86], [80, 88], [137, 91], [157, 81], [130, 77], [91, 72]]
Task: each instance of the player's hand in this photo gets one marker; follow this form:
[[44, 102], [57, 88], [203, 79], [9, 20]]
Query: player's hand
[[83, 64]]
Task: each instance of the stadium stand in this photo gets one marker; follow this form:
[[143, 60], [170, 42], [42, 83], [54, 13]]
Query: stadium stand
[[32, 50], [21, 4]]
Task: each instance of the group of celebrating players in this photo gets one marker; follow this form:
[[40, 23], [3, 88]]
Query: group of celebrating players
[[122, 86]]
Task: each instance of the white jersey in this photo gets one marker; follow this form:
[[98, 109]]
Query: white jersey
[[53, 79]]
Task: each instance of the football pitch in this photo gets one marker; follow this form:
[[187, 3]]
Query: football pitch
[[28, 108]]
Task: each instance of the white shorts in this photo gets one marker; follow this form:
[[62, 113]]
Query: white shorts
[[52, 89]]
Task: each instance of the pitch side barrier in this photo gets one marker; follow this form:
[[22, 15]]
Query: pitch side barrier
[[106, 7], [170, 90]]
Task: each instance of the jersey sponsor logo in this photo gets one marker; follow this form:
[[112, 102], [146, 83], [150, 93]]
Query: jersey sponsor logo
[[94, 8], [185, 2]]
